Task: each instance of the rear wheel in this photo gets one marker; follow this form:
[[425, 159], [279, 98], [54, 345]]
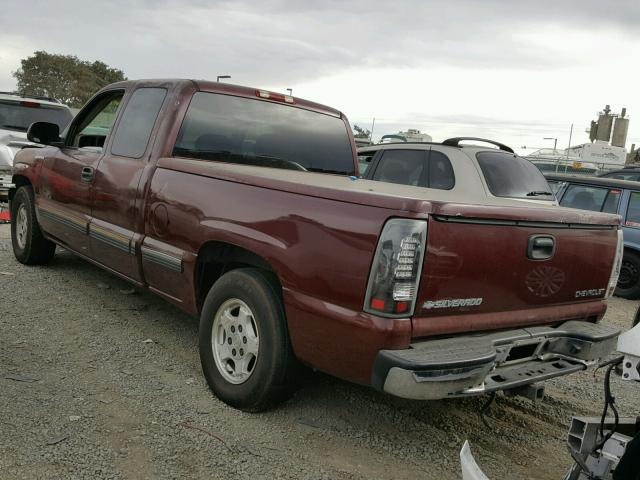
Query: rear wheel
[[244, 344], [629, 279], [29, 245]]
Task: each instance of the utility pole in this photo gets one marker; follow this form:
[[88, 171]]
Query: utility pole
[[570, 135], [373, 124]]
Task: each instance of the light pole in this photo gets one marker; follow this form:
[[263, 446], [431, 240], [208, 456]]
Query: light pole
[[222, 76], [290, 92], [555, 142]]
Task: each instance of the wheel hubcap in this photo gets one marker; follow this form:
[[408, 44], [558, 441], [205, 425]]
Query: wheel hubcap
[[22, 226], [235, 342]]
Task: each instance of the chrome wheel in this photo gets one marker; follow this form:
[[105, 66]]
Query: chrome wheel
[[22, 226], [234, 341]]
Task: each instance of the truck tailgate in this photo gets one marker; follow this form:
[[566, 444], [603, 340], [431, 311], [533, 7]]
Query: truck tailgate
[[481, 274]]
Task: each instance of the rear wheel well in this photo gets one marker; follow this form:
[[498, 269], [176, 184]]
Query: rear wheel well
[[217, 258]]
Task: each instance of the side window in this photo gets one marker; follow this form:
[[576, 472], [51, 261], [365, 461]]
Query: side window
[[139, 117], [405, 167], [611, 201], [596, 199], [633, 212], [364, 161], [440, 171], [93, 127]]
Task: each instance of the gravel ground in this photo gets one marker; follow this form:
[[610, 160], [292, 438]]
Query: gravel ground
[[98, 380]]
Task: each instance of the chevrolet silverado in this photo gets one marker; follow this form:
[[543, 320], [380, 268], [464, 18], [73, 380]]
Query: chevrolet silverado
[[244, 207]]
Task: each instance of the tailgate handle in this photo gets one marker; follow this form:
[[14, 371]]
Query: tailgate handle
[[541, 247]]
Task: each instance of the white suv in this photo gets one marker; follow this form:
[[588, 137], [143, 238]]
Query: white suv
[[16, 114]]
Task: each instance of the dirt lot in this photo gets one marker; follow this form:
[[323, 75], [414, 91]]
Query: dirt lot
[[98, 380]]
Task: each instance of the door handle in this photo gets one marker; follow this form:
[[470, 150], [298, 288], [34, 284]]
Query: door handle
[[87, 174]]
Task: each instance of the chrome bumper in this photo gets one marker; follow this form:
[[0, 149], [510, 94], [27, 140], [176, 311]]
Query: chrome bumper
[[476, 364]]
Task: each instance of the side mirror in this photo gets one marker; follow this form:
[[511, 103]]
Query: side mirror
[[44, 132]]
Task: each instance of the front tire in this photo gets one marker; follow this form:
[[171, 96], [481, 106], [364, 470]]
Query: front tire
[[29, 244], [245, 351], [629, 279]]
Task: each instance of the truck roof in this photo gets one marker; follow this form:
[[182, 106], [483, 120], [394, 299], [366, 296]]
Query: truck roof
[[229, 89]]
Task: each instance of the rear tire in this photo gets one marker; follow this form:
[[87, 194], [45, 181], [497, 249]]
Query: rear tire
[[244, 344], [629, 280], [29, 244]]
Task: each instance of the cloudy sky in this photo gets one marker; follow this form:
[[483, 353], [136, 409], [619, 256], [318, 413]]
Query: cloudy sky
[[515, 71]]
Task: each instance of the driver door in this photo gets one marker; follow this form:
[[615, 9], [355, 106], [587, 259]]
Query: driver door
[[68, 172]]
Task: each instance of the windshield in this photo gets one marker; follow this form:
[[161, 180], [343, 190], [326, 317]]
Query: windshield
[[509, 175], [254, 132], [14, 116]]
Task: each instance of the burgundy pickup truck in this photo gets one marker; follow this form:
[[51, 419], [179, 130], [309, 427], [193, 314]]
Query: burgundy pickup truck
[[244, 207]]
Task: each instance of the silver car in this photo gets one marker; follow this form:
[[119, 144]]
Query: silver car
[[16, 114]]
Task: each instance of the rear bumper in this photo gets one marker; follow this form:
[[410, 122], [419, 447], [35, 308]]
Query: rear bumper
[[483, 363]]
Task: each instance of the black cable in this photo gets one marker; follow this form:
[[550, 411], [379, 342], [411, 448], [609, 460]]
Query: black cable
[[609, 402]]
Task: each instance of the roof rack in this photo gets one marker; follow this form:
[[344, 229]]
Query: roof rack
[[455, 142]]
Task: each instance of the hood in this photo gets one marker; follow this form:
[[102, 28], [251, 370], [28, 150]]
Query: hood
[[11, 142]]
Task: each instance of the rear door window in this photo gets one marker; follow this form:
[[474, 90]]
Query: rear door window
[[255, 132], [139, 117], [596, 199], [440, 171], [508, 175], [633, 211], [419, 168], [405, 167]]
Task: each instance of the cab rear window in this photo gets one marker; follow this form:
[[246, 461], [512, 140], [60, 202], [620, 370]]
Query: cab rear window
[[508, 175], [18, 116], [254, 132]]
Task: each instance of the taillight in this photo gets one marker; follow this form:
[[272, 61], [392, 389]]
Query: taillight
[[617, 264], [30, 104], [395, 272], [278, 97]]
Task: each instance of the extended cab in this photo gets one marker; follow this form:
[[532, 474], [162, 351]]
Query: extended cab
[[244, 207]]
